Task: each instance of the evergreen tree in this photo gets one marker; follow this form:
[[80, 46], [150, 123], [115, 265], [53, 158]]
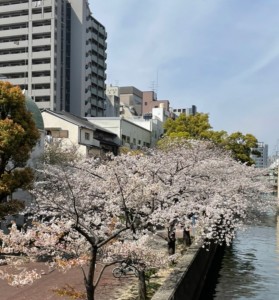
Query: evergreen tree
[[197, 127], [18, 136]]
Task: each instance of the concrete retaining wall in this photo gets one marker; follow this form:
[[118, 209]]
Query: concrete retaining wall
[[187, 279]]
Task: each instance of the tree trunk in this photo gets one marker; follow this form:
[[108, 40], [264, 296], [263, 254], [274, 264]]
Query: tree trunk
[[142, 286], [171, 242], [186, 237], [90, 291], [89, 284]]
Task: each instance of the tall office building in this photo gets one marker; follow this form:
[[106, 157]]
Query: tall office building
[[56, 51]]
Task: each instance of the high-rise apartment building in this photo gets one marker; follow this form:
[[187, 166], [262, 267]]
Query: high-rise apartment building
[[261, 156], [56, 51]]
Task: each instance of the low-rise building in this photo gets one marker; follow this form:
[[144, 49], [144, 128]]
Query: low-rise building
[[91, 139], [153, 122], [187, 111], [150, 101], [128, 133]]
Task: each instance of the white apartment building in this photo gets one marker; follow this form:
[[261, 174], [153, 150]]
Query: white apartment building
[[56, 51], [129, 134]]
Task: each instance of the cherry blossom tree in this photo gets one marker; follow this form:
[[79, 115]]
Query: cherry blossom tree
[[207, 184], [93, 209], [142, 256]]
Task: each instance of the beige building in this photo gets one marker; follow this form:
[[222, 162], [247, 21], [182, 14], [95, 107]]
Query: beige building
[[91, 139], [131, 98]]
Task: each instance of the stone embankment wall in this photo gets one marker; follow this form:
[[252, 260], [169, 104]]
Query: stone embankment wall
[[187, 279]]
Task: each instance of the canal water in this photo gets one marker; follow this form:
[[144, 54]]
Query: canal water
[[249, 268]]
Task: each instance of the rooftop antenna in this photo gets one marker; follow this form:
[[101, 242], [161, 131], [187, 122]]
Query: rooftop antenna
[[155, 84]]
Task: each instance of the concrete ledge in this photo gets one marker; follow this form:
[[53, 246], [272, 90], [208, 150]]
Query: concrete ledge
[[187, 279]]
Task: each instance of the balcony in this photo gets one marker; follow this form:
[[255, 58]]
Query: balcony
[[13, 45], [101, 63], [41, 54], [14, 32], [41, 29], [94, 58], [41, 42], [93, 102], [94, 36], [101, 93], [41, 67], [94, 80], [93, 90], [18, 81], [41, 79], [13, 7], [94, 69], [13, 69], [44, 16], [101, 51], [13, 57], [43, 105], [101, 83], [102, 31], [41, 92], [101, 73], [13, 20], [46, 3]]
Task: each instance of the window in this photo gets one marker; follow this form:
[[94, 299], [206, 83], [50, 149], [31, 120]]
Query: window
[[145, 103], [59, 133], [87, 136]]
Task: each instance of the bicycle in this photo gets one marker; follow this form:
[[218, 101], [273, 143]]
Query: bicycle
[[124, 270]]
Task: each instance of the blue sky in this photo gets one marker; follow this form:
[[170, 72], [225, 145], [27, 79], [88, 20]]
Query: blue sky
[[220, 55]]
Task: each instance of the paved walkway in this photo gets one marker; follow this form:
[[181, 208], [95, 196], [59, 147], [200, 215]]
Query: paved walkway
[[108, 288]]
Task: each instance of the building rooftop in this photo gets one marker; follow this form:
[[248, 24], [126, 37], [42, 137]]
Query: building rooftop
[[79, 121]]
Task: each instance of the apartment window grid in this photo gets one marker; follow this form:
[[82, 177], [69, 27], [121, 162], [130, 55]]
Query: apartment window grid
[[45, 43]]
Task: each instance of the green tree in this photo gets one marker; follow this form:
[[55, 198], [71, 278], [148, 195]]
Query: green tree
[[190, 127], [241, 146], [18, 136], [198, 127]]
